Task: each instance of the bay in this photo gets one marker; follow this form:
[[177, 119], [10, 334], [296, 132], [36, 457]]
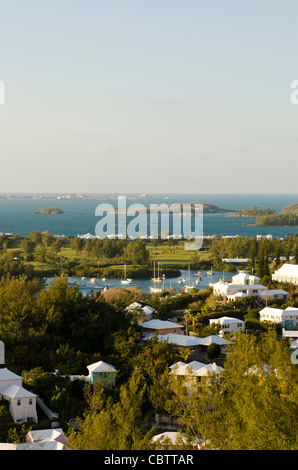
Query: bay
[[17, 215], [86, 287]]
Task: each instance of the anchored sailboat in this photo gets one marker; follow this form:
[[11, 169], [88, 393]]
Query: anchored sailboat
[[189, 286], [158, 278], [154, 289], [125, 280]]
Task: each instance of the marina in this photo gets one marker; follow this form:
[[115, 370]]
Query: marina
[[189, 281]]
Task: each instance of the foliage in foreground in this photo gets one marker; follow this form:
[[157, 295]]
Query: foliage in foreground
[[254, 406]]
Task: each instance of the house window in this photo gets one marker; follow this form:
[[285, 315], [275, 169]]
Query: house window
[[30, 401], [18, 402]]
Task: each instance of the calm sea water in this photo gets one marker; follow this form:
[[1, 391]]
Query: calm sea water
[[86, 287], [16, 216]]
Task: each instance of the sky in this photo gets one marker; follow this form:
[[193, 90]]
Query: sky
[[148, 96]]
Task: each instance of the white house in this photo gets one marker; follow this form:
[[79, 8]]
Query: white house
[[272, 315], [22, 403], [146, 311], [243, 278], [287, 317], [195, 369], [134, 306], [247, 287], [229, 290], [287, 273], [228, 325]]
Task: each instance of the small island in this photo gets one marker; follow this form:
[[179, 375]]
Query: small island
[[288, 217], [49, 210]]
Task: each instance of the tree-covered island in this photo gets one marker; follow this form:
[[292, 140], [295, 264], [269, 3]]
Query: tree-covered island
[[49, 210]]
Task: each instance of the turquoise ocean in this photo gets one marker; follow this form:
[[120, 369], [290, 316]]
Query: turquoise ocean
[[17, 217]]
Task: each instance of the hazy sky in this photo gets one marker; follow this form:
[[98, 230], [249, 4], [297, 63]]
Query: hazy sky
[[148, 96]]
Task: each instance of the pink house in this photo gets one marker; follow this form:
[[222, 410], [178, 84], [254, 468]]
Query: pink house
[[162, 327]]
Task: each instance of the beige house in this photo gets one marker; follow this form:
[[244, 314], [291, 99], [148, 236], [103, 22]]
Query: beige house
[[22, 403]]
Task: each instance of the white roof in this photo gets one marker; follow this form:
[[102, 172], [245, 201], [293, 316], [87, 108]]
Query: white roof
[[177, 364], [267, 293], [288, 269], [271, 310], [197, 368], [209, 368], [6, 374], [290, 311], [134, 305], [7, 446], [173, 436], [219, 283], [239, 295], [101, 366], [148, 310], [213, 339], [160, 324], [46, 434], [245, 276], [14, 391], [180, 340], [245, 287], [236, 260], [227, 320], [186, 369]]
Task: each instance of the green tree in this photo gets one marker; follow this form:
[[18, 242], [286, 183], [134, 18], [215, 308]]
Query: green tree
[[213, 350], [35, 237], [119, 425], [254, 405], [77, 244], [27, 246]]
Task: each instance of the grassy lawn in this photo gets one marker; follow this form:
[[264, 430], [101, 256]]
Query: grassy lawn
[[175, 255], [167, 255]]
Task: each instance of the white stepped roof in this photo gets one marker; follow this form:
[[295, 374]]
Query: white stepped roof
[[101, 366], [197, 368]]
